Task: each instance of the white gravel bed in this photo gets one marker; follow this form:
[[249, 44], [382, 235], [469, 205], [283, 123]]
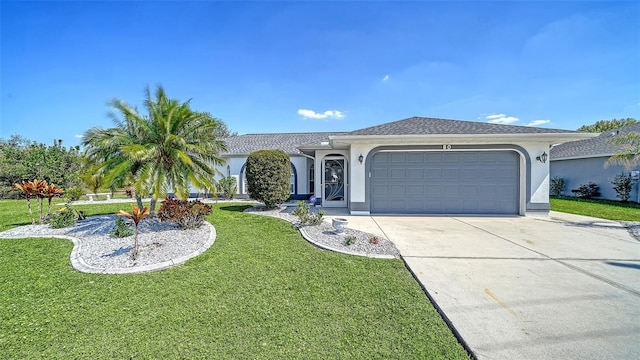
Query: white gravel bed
[[323, 235], [158, 243]]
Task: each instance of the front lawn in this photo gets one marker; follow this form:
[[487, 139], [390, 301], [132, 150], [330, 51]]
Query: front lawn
[[260, 292], [604, 209]]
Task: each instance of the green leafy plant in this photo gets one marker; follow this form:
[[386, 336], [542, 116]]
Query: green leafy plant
[[122, 228], [137, 216], [268, 173], [64, 217], [556, 186], [186, 214], [350, 240], [587, 191], [73, 194], [622, 184], [228, 187], [305, 215], [374, 240]]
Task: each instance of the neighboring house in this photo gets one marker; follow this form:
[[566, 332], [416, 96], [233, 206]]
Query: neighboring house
[[415, 166], [583, 161]]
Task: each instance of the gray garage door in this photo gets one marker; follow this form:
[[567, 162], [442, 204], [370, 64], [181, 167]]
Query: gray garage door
[[445, 182]]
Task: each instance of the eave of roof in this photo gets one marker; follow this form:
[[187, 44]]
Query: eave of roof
[[551, 138]]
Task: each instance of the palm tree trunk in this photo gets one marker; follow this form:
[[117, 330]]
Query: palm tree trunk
[[152, 205], [139, 201]]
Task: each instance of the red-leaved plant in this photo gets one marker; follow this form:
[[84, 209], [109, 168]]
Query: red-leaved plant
[[41, 190], [136, 215]]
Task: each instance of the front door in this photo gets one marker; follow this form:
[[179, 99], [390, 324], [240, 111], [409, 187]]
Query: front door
[[334, 182]]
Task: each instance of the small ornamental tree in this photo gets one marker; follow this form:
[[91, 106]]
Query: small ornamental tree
[[136, 215], [268, 173], [556, 187], [622, 184], [228, 187]]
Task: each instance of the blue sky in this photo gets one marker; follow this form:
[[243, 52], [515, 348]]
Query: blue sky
[[319, 66]]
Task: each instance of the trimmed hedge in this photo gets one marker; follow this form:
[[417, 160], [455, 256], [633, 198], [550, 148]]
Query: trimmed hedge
[[268, 175]]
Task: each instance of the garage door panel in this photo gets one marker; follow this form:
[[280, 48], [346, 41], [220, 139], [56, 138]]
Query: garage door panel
[[416, 189], [378, 191], [398, 173], [445, 182], [397, 190], [398, 158], [451, 174], [415, 174], [415, 157]]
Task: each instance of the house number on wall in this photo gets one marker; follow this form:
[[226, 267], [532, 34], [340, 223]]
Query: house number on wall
[[446, 147]]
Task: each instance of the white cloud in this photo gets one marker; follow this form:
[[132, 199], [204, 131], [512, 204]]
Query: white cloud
[[77, 136], [385, 78], [538, 122], [501, 119], [334, 114]]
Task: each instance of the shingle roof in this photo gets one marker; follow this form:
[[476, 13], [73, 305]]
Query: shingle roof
[[598, 145], [287, 142], [290, 142], [431, 126]]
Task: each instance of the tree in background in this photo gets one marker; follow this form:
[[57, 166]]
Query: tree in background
[[22, 159], [268, 175], [168, 148], [606, 125]]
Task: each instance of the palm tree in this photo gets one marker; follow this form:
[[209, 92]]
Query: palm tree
[[169, 148], [628, 155]]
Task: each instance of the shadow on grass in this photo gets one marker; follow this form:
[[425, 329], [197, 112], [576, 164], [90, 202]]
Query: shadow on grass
[[235, 208]]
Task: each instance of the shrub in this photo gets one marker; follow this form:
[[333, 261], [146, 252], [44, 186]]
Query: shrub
[[305, 216], [64, 217], [186, 214], [587, 191], [556, 187], [268, 173], [74, 193], [8, 192], [623, 184], [228, 187], [374, 240], [122, 228], [350, 240]]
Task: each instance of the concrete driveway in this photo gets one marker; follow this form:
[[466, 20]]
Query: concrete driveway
[[562, 287]]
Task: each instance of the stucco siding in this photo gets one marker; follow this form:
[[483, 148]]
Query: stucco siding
[[576, 172]]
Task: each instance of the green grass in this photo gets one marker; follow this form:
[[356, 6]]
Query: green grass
[[604, 209], [260, 292]]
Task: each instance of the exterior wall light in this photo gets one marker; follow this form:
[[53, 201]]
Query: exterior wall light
[[542, 158], [361, 158]]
